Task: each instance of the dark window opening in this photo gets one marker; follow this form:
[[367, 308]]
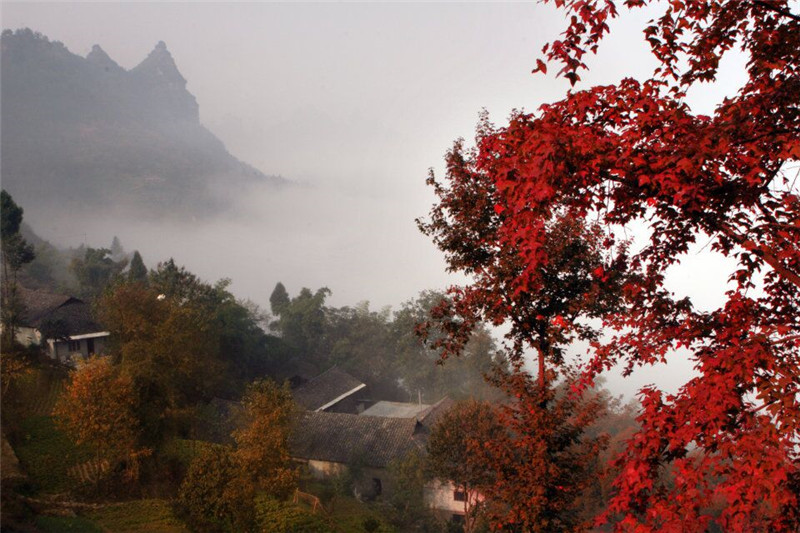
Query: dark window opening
[[377, 486], [90, 346], [457, 518], [74, 346], [459, 495]]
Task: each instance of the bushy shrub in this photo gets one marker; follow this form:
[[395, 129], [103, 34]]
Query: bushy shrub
[[213, 495]]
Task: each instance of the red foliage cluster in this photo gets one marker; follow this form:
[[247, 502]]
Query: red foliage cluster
[[635, 152]]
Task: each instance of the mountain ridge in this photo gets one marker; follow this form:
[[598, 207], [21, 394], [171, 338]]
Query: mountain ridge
[[80, 131]]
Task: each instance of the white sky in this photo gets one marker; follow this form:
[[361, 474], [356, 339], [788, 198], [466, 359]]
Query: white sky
[[357, 101]]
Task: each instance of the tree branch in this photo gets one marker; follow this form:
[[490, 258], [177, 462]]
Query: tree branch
[[764, 253], [776, 9]]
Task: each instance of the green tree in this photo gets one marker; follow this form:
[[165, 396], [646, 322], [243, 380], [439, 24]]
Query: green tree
[[241, 343], [301, 323], [409, 476], [169, 348], [452, 455], [16, 253], [358, 340], [137, 271], [117, 251], [212, 496], [419, 366], [279, 299], [96, 270]]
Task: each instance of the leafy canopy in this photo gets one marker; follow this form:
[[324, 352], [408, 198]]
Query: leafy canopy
[[634, 152]]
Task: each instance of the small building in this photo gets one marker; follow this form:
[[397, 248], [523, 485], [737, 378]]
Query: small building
[[334, 391], [62, 323], [330, 444]]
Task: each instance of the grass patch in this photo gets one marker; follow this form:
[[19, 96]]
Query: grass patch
[[140, 516], [66, 524], [184, 450], [352, 516], [46, 454]]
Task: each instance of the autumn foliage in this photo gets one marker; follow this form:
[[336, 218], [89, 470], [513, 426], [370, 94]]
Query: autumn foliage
[[635, 154], [222, 483], [262, 445], [98, 409]]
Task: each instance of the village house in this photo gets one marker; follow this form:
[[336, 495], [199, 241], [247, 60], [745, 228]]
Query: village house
[[337, 435], [62, 324], [331, 444]]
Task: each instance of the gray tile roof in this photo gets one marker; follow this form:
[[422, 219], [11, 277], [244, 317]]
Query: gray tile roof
[[347, 438], [396, 409], [326, 388], [431, 415], [42, 306]]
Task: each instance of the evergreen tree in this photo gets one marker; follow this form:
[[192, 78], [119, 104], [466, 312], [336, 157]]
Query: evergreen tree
[[279, 299], [137, 270], [16, 253]]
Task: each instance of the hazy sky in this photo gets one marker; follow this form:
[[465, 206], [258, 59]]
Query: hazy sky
[[355, 100]]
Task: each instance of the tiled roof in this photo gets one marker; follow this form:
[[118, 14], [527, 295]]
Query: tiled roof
[[42, 306], [431, 415], [396, 409], [39, 303], [326, 388], [347, 438]]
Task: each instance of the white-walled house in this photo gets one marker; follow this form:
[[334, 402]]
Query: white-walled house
[[66, 322]]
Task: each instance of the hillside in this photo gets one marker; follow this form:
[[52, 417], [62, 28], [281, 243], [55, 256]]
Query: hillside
[[83, 132]]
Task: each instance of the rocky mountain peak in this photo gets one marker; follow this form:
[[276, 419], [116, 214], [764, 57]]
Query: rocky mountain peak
[[160, 64], [98, 56]]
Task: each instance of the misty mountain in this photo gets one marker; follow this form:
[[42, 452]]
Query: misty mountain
[[84, 133]]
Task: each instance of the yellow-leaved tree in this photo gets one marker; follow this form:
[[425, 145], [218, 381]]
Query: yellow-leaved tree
[[262, 447], [97, 409]]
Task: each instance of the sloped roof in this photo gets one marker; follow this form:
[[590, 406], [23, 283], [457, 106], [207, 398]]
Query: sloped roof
[[42, 306], [40, 303], [396, 409], [327, 389], [426, 415], [347, 438], [431, 415]]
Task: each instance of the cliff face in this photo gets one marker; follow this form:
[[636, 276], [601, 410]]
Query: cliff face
[[86, 132]]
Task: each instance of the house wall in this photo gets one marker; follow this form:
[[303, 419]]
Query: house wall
[[71, 351], [440, 496], [28, 336], [325, 469], [372, 482]]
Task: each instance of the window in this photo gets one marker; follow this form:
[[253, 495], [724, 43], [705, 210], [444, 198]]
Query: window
[[459, 495], [377, 486], [74, 346]]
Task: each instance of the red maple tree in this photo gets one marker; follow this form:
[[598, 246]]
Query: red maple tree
[[635, 152]]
